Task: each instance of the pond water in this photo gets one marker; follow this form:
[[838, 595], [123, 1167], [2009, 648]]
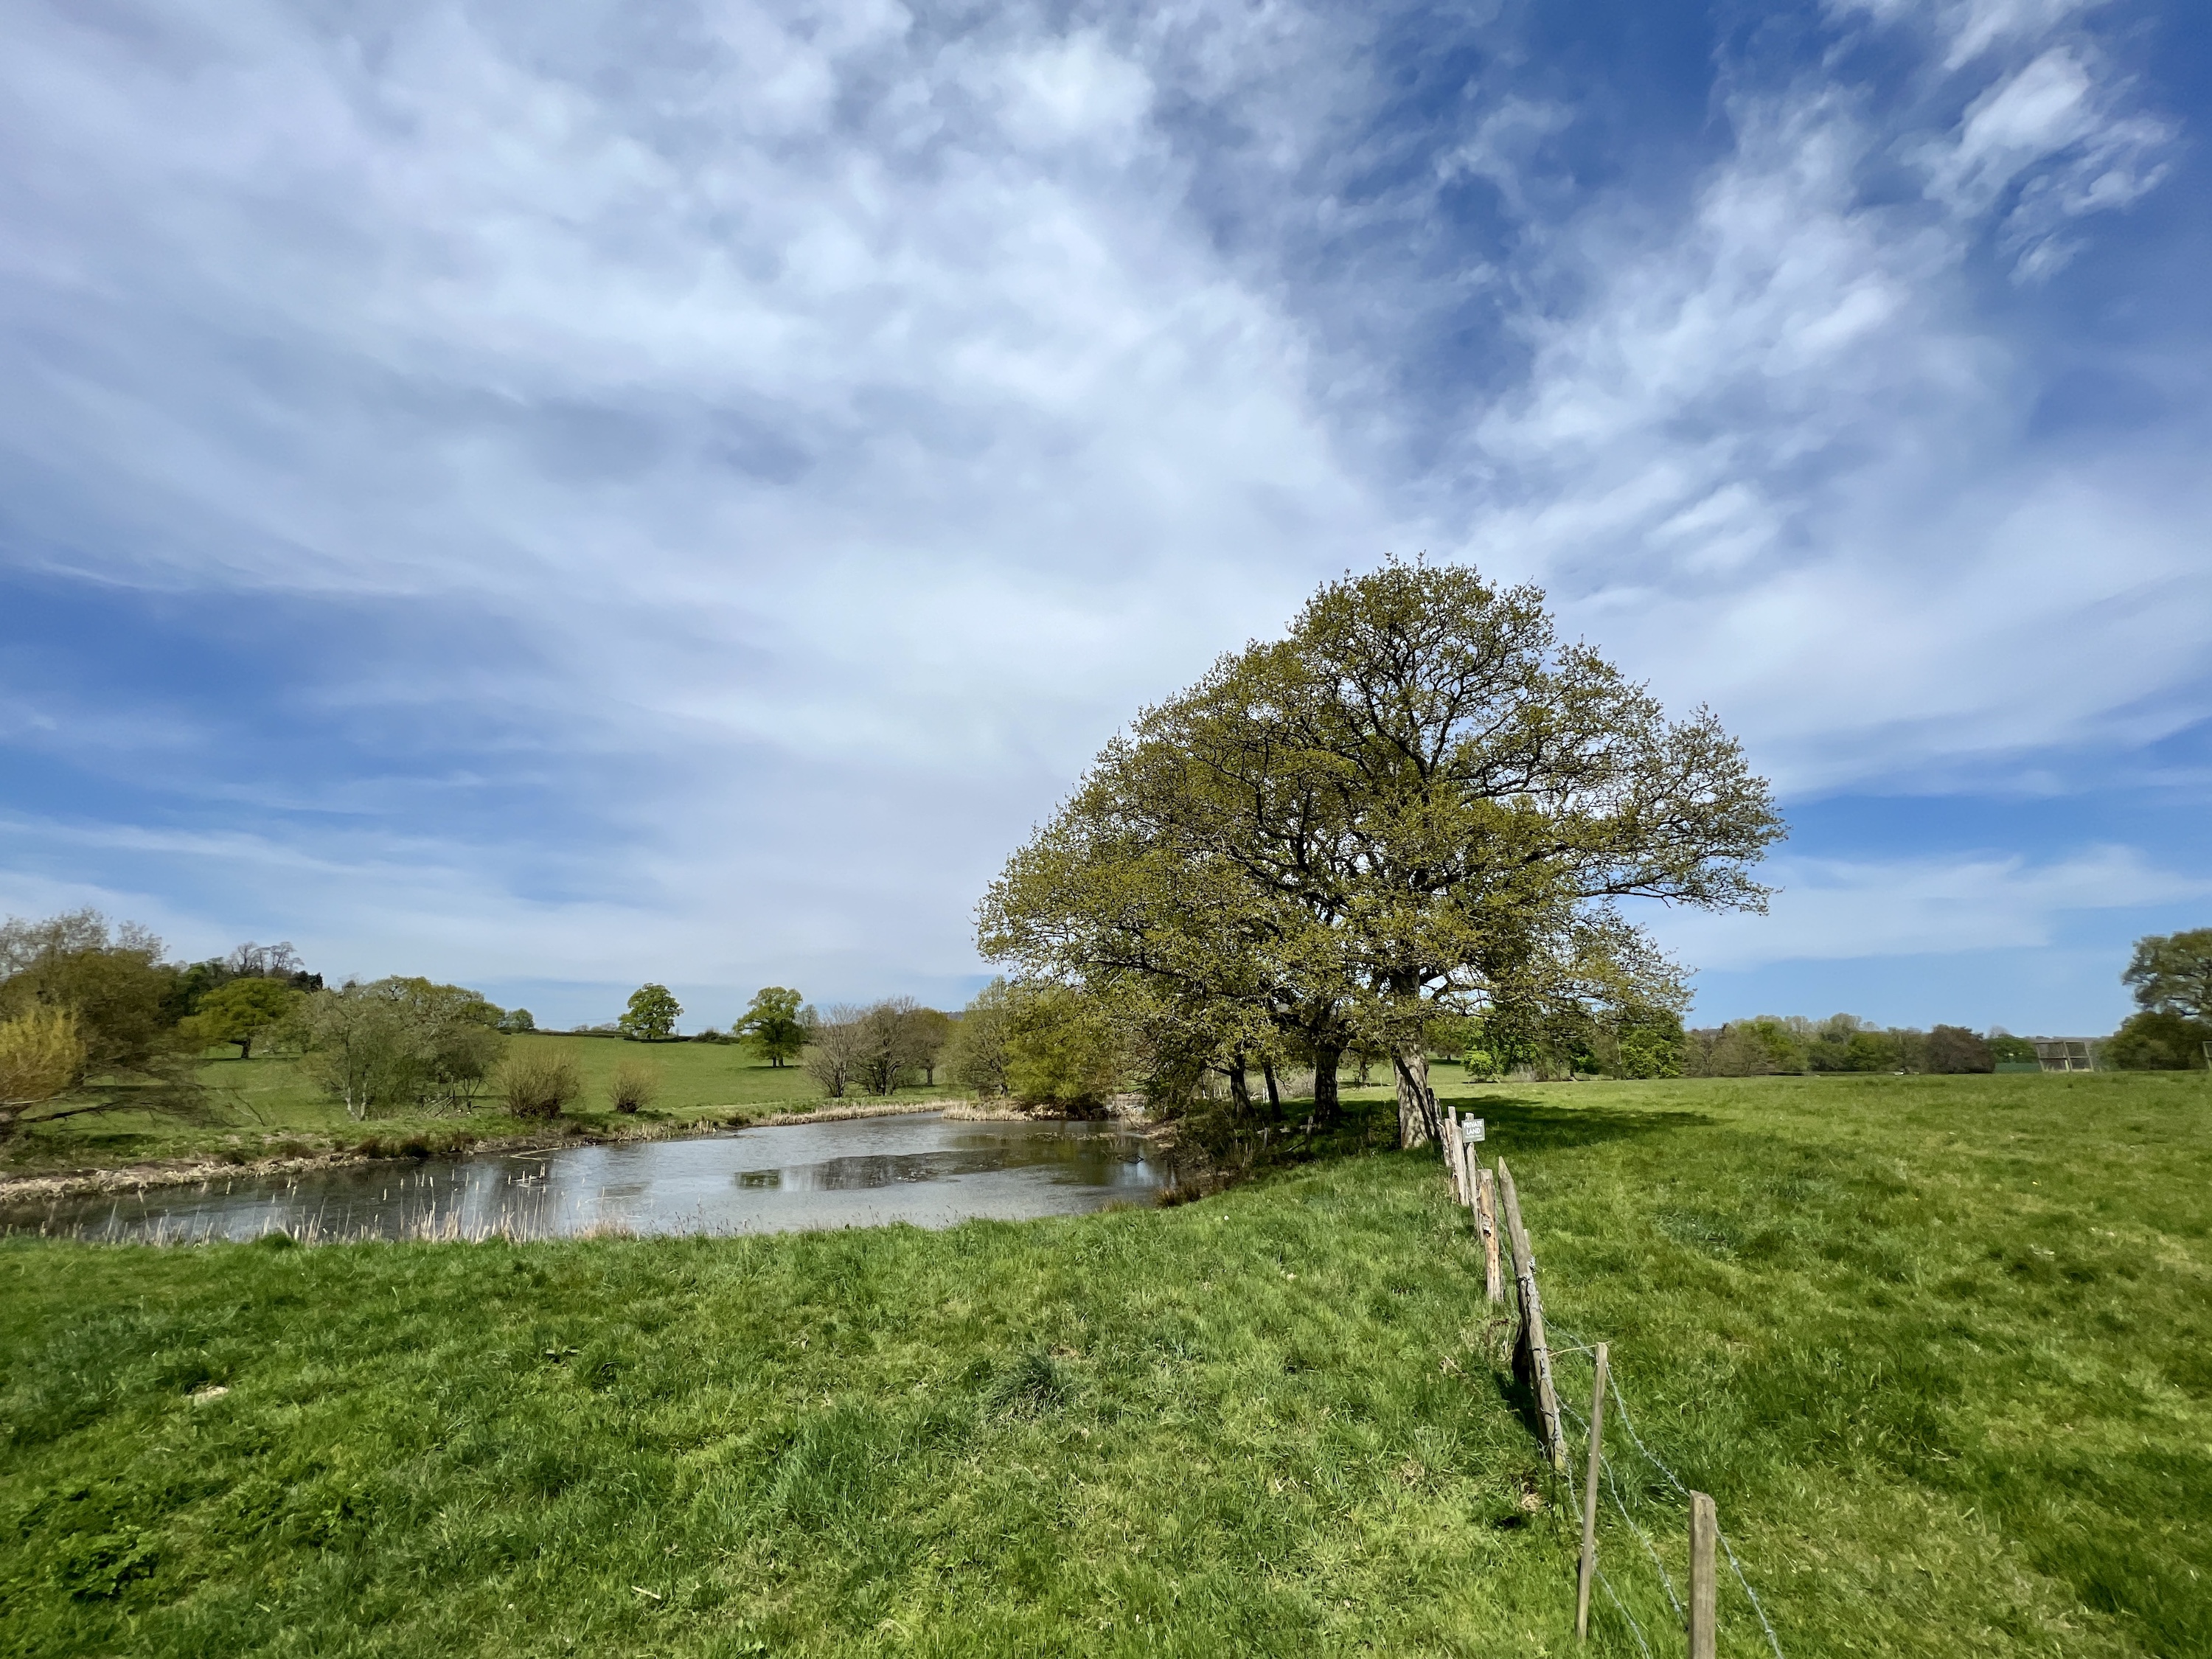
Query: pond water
[[858, 1172]]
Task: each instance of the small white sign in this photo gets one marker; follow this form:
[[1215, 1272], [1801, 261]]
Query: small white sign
[[1470, 1130]]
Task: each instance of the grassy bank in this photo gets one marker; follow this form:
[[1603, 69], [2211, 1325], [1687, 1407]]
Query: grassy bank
[[1937, 1346], [266, 1108]]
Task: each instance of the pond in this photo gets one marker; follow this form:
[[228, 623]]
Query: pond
[[858, 1172]]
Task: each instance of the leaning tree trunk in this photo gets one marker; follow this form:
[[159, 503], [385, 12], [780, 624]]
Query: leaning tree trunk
[[1417, 1123], [1326, 1061], [1275, 1094], [1240, 1087]]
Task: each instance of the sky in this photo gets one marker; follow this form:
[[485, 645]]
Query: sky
[[552, 497]]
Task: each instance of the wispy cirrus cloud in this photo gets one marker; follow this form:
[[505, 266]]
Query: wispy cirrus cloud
[[602, 493]]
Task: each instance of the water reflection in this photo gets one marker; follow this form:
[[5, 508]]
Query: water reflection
[[860, 1172]]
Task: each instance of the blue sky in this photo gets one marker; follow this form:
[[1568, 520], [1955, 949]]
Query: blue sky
[[551, 497]]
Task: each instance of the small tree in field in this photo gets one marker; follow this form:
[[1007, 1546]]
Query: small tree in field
[[835, 1049], [772, 1024], [1954, 1048], [652, 1014], [243, 1013]]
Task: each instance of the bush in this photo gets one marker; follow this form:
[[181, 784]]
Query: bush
[[41, 1055], [113, 980], [397, 1043], [1954, 1048], [2153, 1042], [634, 1085], [537, 1082], [975, 1052], [1062, 1048]]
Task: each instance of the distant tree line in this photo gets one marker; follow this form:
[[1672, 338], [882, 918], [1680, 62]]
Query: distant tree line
[[94, 1018], [1773, 1045]]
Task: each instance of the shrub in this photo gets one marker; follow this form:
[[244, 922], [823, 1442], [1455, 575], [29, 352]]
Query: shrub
[[975, 1054], [2154, 1041], [1955, 1048], [1062, 1048], [399, 1043], [538, 1083], [634, 1086], [41, 1055]]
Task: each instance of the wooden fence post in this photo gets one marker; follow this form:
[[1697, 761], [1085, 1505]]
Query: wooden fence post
[[1532, 1350], [1589, 1502], [1486, 1217], [1704, 1586], [1455, 1155]]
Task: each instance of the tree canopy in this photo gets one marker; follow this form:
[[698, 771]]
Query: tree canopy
[[772, 1024], [401, 1042], [2172, 974], [111, 978], [652, 1014], [1419, 803], [241, 1011]]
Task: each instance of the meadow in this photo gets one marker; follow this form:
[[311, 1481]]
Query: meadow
[[266, 1106], [1938, 1346]]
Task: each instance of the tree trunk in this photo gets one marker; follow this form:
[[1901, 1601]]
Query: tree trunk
[[1274, 1095], [1326, 1061], [1240, 1088], [1417, 1102]]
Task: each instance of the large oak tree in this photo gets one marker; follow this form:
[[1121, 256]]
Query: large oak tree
[[1419, 802]]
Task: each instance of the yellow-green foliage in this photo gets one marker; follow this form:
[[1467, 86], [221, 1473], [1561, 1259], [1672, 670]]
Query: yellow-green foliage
[[41, 1055], [1062, 1048]]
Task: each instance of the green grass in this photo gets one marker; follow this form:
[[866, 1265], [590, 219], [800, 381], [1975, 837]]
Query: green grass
[[266, 1106], [1938, 1347]]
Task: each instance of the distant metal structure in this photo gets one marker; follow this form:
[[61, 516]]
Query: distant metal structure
[[2064, 1054]]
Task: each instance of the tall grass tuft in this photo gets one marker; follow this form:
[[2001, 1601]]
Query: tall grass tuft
[[1033, 1384], [538, 1083], [634, 1085]]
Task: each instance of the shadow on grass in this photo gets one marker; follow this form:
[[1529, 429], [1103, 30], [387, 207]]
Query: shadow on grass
[[1517, 1124]]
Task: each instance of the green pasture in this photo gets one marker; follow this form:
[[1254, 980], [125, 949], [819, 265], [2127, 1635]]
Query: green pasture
[[1938, 1346], [266, 1106]]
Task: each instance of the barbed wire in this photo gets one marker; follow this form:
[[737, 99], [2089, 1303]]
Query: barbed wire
[[1613, 1484], [1575, 1344]]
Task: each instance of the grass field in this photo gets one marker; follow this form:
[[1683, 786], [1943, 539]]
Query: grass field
[[265, 1106], [1938, 1346]]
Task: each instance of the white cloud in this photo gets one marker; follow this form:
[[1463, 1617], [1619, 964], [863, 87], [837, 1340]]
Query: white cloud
[[1832, 909], [1775, 461], [843, 420]]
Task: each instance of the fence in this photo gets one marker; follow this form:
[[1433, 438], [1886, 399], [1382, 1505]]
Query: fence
[[1646, 1494]]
